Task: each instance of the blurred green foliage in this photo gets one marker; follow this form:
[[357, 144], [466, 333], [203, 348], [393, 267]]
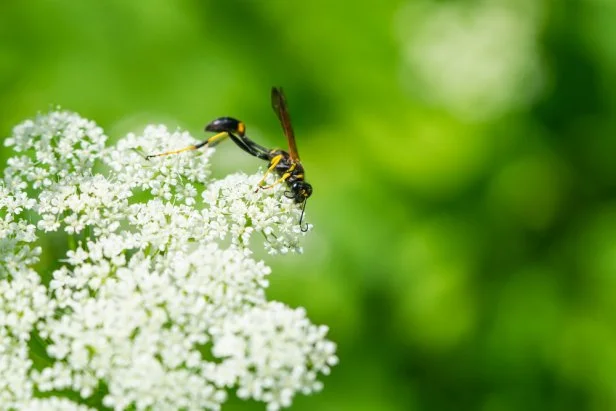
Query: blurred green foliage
[[464, 251]]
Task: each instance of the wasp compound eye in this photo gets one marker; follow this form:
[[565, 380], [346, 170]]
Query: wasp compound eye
[[307, 189]]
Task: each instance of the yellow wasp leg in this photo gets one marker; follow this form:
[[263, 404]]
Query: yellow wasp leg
[[212, 141], [275, 162], [280, 180]]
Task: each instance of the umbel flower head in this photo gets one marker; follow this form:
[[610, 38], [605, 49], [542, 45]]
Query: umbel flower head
[[157, 303]]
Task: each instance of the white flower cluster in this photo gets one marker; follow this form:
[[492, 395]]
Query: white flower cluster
[[281, 347], [158, 304]]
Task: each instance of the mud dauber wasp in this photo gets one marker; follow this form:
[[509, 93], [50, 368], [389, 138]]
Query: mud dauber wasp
[[286, 164]]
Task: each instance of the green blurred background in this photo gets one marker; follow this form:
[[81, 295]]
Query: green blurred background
[[461, 152]]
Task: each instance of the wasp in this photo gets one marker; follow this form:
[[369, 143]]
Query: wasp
[[286, 164]]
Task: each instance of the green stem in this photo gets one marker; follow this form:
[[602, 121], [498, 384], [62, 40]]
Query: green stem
[[72, 244]]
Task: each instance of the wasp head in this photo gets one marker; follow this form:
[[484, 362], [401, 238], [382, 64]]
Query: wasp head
[[300, 191]]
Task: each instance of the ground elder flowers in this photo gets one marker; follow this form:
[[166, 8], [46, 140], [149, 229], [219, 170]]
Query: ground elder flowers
[[155, 302]]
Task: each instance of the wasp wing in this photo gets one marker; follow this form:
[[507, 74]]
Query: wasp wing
[[279, 105]]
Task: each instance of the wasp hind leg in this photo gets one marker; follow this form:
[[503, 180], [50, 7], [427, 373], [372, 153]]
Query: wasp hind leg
[[212, 141]]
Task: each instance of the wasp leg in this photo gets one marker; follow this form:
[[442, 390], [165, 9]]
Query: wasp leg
[[280, 180], [272, 166], [212, 141], [286, 175]]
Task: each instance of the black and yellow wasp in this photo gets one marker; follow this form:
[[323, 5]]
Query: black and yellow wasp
[[286, 165]]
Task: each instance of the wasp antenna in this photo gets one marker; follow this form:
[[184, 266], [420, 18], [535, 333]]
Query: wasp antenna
[[304, 228]]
